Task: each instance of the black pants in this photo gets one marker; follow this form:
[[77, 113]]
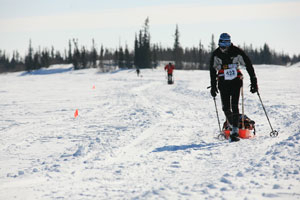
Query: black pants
[[170, 78], [230, 94]]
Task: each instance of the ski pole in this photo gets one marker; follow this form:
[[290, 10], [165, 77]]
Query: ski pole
[[221, 135], [243, 111], [217, 115], [273, 133]]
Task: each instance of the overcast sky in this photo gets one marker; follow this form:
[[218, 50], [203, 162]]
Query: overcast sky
[[53, 22]]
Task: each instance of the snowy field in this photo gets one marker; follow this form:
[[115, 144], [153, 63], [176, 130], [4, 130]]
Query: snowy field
[[139, 138]]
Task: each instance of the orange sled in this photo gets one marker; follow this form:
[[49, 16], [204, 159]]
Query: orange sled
[[243, 133], [246, 128]]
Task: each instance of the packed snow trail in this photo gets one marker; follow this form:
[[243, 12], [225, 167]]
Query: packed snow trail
[[140, 138]]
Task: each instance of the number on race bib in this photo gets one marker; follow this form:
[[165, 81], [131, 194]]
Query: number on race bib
[[230, 74]]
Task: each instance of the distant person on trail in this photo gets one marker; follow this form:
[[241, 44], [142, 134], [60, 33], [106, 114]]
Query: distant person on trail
[[138, 71], [169, 68], [224, 69]]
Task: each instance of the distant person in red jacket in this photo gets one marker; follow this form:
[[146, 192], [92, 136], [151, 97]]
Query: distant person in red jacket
[[169, 68]]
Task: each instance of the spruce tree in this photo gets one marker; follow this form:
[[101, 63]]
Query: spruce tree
[[70, 56], [146, 45], [76, 55], [142, 51], [177, 51], [127, 58], [101, 58], [121, 58], [212, 45], [94, 54], [29, 58], [136, 52], [266, 54]]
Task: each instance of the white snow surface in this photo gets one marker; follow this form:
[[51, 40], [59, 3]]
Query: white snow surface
[[140, 138]]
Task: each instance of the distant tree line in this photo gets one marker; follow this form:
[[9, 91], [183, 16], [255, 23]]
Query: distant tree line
[[144, 55]]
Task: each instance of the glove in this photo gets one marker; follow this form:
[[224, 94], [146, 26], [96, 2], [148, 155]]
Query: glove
[[214, 91], [253, 87]]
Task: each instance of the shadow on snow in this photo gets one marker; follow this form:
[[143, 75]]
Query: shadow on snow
[[186, 147]]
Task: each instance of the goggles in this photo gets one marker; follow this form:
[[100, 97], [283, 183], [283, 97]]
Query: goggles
[[224, 43]]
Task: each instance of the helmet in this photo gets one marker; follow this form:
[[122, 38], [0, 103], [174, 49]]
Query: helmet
[[224, 40]]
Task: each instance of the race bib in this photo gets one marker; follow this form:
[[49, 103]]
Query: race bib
[[230, 74]]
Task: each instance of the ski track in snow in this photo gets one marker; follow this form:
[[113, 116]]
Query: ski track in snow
[[139, 138]]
